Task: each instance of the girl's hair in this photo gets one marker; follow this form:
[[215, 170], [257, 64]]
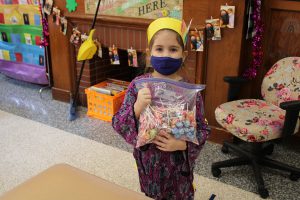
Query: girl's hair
[[178, 38]]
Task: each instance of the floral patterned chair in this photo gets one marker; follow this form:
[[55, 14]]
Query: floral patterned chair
[[255, 122]]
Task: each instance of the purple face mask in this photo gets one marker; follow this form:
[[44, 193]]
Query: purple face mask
[[166, 65]]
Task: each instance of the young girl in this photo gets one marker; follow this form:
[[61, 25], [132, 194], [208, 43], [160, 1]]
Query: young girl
[[165, 166]]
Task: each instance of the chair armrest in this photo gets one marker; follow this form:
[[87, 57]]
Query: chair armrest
[[290, 105], [291, 116], [235, 83]]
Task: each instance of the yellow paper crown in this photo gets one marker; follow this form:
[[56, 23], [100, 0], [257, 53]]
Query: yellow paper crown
[[168, 23]]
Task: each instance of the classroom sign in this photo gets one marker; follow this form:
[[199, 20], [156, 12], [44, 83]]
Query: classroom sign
[[150, 9]]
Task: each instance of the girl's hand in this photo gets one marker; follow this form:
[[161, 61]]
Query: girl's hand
[[167, 142], [143, 100]]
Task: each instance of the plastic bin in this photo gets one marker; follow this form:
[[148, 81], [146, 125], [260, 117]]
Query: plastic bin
[[103, 106]]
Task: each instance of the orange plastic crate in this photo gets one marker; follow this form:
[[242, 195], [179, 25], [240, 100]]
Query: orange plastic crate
[[103, 106]]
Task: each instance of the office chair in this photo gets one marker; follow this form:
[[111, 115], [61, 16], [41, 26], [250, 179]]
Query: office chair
[[256, 122]]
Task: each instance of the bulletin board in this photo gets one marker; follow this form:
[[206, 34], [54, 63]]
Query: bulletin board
[[150, 9]]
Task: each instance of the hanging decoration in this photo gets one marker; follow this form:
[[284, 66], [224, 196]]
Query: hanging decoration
[[99, 47], [75, 37], [113, 55], [132, 57], [71, 5], [257, 51], [213, 29], [44, 40], [48, 6], [196, 40], [227, 16]]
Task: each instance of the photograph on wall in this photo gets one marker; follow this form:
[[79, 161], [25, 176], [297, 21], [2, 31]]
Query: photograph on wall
[[26, 18], [48, 6], [99, 48], [137, 8], [84, 37], [56, 16], [75, 37], [227, 16], [113, 55], [196, 40], [132, 58], [63, 25], [213, 29]]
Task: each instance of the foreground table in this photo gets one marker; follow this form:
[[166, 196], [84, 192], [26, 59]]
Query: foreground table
[[64, 182]]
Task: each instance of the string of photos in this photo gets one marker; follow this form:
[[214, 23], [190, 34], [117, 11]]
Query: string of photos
[[212, 27], [255, 31], [77, 37]]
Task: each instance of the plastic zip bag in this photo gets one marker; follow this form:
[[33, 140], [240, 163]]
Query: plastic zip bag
[[172, 110]]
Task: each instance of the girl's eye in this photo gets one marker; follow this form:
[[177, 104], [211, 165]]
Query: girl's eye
[[158, 49], [173, 50]]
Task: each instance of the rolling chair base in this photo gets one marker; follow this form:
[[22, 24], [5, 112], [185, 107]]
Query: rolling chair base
[[256, 159]]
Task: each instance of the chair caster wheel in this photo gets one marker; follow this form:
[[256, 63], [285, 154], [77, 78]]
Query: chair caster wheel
[[263, 192], [225, 149], [294, 176], [216, 172]]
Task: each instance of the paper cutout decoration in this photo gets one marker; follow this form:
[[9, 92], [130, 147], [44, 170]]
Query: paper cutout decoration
[[19, 57], [71, 5], [26, 18], [37, 20], [227, 16], [37, 40], [1, 18], [113, 55], [132, 58], [4, 37], [15, 38], [213, 29], [14, 17], [28, 39], [6, 55]]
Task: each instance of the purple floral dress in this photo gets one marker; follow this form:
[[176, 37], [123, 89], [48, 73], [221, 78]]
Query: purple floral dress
[[163, 175]]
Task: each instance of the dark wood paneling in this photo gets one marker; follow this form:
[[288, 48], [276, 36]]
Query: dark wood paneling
[[284, 36], [223, 58]]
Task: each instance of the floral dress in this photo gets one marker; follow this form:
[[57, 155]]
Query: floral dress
[[162, 175]]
